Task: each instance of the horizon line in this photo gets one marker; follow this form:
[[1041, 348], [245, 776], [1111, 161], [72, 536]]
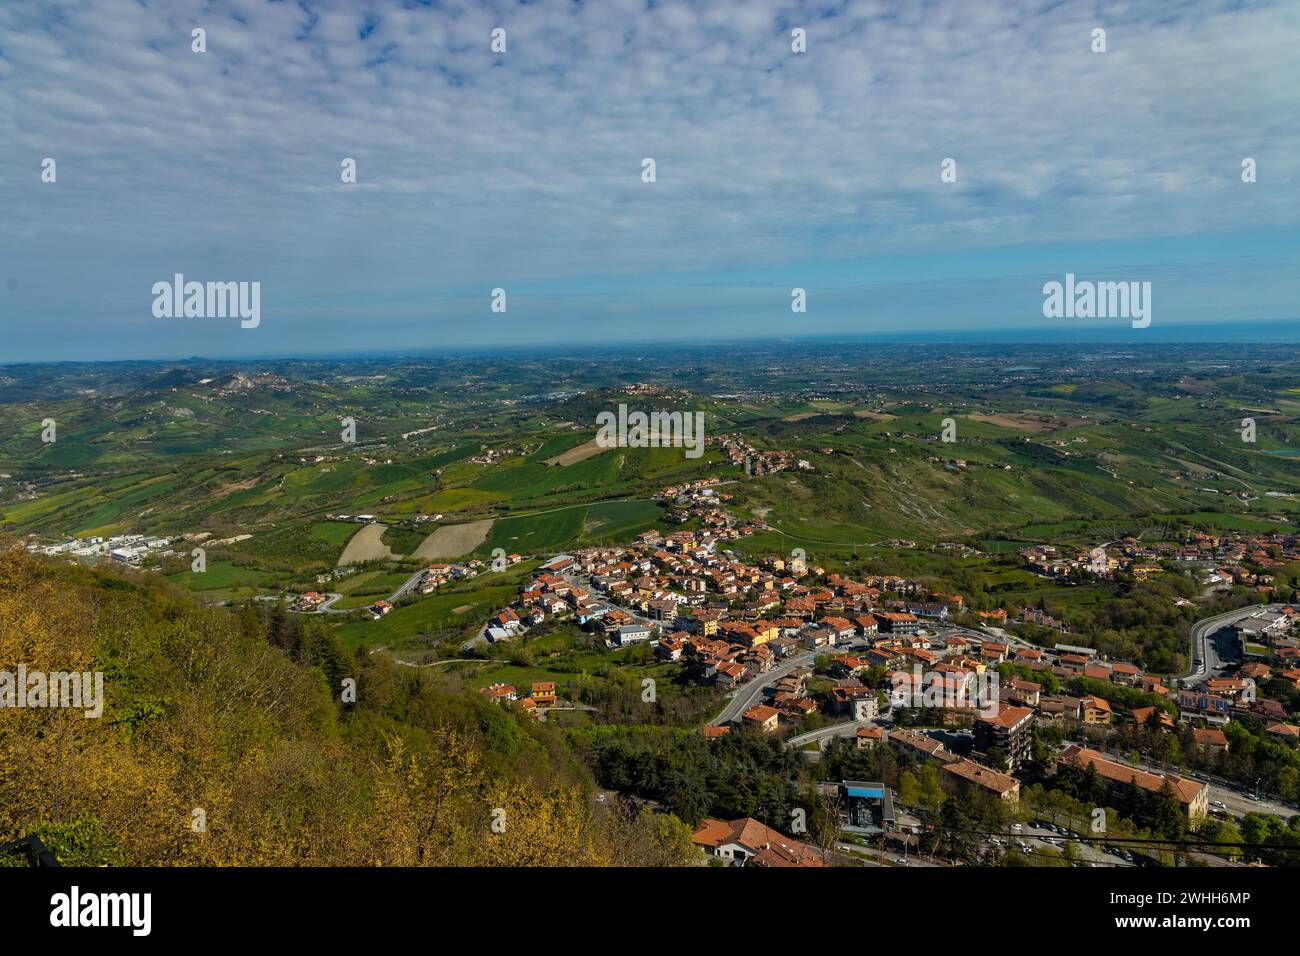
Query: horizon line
[[993, 337]]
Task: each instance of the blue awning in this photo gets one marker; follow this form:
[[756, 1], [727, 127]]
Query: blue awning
[[866, 792]]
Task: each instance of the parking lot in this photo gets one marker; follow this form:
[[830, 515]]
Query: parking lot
[[1040, 837]]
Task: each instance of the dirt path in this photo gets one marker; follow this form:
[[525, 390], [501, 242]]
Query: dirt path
[[453, 540], [367, 545]]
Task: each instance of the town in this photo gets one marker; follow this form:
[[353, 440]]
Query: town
[[901, 667]]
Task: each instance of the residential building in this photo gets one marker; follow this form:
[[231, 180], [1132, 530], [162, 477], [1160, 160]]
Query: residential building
[[979, 777], [1192, 796], [747, 841], [763, 717], [1211, 739], [1094, 711], [867, 737], [633, 634], [1011, 731]]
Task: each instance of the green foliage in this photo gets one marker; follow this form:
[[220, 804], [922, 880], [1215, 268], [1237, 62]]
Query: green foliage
[[240, 713], [81, 842]]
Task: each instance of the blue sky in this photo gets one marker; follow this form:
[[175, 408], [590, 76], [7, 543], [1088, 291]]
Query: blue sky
[[523, 170]]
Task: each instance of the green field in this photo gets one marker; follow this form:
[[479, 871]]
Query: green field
[[220, 575], [572, 526], [461, 607]]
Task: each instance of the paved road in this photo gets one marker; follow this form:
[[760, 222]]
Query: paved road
[[478, 640], [823, 734], [1206, 650], [1040, 839], [584, 582], [1235, 801], [409, 583], [327, 606], [750, 694], [874, 857], [1202, 647]]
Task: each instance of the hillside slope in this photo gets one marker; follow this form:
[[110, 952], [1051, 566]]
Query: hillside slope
[[234, 719]]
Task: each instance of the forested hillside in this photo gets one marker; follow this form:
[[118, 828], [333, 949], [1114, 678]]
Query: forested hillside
[[224, 741]]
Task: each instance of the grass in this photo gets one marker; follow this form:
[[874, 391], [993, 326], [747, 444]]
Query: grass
[[220, 575], [369, 586], [485, 594], [568, 526], [403, 540]]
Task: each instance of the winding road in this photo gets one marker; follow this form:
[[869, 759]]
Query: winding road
[[1205, 650], [750, 694], [327, 606]]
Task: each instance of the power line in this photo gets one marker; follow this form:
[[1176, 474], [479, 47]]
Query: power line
[[1139, 841]]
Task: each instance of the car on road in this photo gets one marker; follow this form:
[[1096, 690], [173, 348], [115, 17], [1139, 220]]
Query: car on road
[[1016, 826], [1218, 804]]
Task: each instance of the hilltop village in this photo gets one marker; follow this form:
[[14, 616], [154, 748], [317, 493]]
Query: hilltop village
[[893, 658]]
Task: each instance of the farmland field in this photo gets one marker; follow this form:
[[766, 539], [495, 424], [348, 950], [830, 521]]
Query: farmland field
[[366, 545], [454, 540]]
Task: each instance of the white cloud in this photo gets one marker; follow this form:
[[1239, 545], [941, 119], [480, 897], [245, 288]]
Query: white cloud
[[474, 165]]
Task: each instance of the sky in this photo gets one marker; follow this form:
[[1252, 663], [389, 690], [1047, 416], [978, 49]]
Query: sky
[[523, 171]]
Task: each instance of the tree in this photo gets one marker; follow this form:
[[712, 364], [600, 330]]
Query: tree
[[909, 790], [998, 759], [1166, 813], [932, 792]]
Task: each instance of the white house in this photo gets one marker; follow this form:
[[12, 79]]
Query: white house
[[633, 634]]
